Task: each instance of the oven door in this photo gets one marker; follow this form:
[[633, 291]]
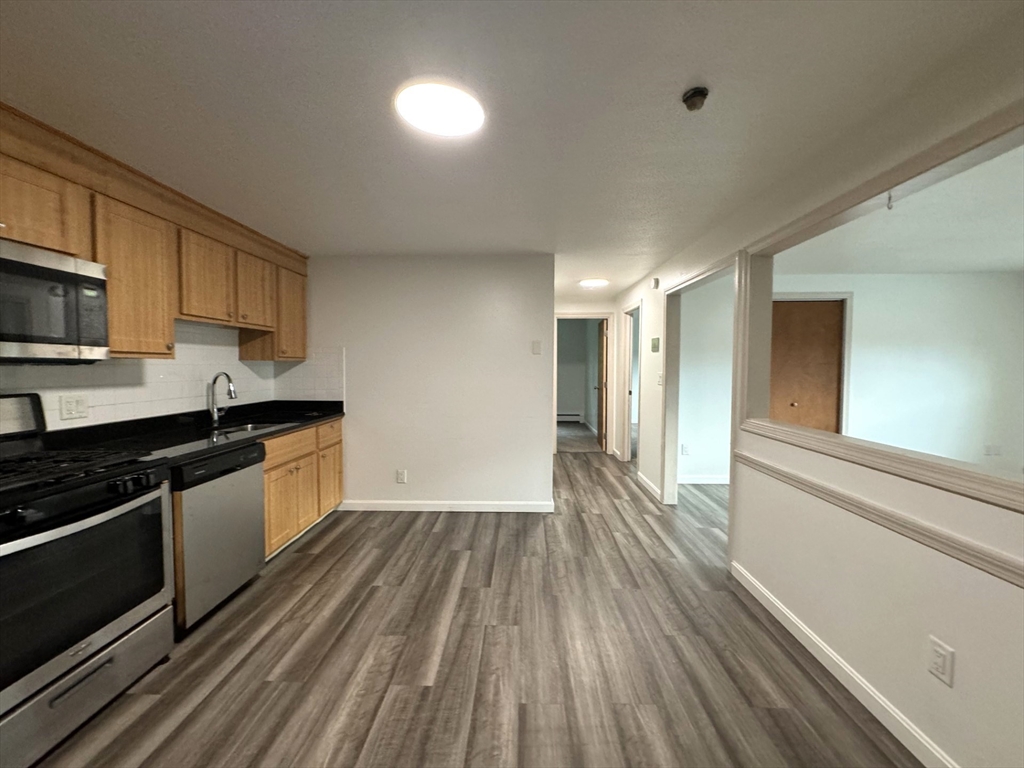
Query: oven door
[[67, 592], [52, 306]]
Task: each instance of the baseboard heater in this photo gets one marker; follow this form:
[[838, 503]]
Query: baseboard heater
[[570, 417]]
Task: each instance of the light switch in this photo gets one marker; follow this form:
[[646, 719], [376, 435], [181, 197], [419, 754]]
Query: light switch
[[536, 347]]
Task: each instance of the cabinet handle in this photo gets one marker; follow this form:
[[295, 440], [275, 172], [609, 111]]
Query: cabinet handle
[[230, 313], [2, 225], [170, 345], [245, 316], [284, 351]]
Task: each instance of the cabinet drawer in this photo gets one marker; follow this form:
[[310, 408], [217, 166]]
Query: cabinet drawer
[[328, 434], [288, 447]]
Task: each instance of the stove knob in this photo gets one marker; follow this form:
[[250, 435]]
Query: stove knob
[[122, 487], [149, 479]]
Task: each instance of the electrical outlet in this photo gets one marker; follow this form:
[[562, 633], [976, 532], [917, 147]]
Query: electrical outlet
[[659, 379], [940, 660], [685, 450], [993, 450], [74, 407], [401, 476], [535, 347]]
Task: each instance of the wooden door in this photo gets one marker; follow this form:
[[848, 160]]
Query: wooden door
[[39, 208], [330, 478], [257, 290], [280, 490], [308, 494], [291, 314], [207, 278], [140, 251], [602, 385], [807, 363]]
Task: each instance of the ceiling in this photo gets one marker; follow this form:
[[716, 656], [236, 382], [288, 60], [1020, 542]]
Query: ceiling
[[279, 114], [970, 222]]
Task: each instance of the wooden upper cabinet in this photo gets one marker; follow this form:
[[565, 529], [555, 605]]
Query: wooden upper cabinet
[[257, 290], [39, 208], [140, 252], [207, 278], [291, 315]]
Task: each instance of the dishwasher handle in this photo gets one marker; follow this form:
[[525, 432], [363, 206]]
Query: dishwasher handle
[[199, 471]]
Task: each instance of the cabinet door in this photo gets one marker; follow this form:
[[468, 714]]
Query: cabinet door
[[280, 489], [291, 315], [140, 251], [207, 278], [330, 478], [308, 498], [257, 290], [42, 209]]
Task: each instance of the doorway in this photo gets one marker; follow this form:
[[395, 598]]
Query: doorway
[[697, 392], [807, 362], [582, 385], [633, 396]]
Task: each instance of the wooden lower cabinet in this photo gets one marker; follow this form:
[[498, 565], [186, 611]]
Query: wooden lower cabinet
[[330, 478], [281, 509], [300, 489]]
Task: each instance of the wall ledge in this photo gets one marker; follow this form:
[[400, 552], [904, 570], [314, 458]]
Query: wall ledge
[[945, 474], [991, 561]]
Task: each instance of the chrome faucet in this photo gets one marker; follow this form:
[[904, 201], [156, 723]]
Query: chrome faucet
[[215, 412]]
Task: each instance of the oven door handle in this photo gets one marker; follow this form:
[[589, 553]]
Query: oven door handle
[[79, 525]]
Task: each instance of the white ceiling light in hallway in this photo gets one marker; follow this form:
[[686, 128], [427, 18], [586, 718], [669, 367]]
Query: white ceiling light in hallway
[[439, 109], [593, 282]]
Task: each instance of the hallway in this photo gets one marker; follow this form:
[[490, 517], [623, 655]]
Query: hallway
[[576, 438], [605, 634]]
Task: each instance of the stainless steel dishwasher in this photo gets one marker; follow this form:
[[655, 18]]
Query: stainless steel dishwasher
[[218, 529]]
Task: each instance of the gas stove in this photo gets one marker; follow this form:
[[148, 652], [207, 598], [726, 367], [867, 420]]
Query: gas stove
[[85, 577], [44, 469], [40, 489]]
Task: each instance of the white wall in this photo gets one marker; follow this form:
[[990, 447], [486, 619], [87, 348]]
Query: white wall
[[572, 366], [592, 330], [936, 362], [873, 598], [866, 592], [118, 390], [705, 380], [440, 379]]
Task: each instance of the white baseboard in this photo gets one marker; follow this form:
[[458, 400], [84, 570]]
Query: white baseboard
[[570, 417], [651, 487], [617, 454], [912, 737], [704, 480], [447, 506]]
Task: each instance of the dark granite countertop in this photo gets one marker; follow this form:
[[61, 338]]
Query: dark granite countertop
[[183, 437]]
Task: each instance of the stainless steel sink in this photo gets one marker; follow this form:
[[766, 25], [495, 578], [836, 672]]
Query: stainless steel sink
[[245, 428]]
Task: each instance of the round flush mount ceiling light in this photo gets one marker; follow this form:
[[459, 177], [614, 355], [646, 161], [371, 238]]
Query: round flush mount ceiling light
[[594, 282], [439, 109]]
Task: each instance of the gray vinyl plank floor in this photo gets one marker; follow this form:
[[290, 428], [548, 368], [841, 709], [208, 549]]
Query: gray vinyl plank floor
[[606, 634], [576, 438]]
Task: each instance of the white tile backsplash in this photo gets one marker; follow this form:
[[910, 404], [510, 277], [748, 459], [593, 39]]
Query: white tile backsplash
[[320, 377], [132, 389]]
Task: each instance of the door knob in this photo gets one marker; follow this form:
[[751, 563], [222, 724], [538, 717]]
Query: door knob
[[792, 405]]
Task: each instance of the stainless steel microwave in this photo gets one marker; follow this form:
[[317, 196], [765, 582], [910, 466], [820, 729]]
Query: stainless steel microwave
[[53, 307]]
